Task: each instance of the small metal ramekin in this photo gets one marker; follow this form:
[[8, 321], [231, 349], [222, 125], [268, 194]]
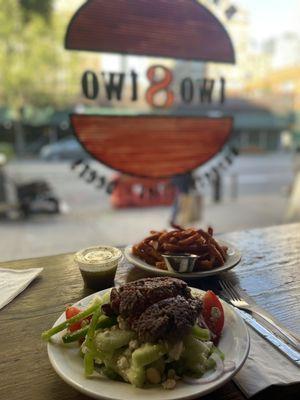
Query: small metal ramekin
[[180, 263]]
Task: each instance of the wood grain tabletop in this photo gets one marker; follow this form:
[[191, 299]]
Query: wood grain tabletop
[[268, 272]]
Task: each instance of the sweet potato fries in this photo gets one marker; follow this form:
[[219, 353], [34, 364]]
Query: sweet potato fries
[[179, 240]]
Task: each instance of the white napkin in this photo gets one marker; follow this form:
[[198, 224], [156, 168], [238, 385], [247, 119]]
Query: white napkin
[[13, 282], [264, 367]]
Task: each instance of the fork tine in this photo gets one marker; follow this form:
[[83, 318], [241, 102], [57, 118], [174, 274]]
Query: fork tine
[[222, 286], [225, 289], [234, 291], [229, 291]]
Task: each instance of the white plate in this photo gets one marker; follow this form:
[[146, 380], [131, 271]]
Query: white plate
[[69, 366], [233, 258]]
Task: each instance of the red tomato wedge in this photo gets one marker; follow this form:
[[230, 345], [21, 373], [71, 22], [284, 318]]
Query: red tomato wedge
[[71, 312], [213, 313]]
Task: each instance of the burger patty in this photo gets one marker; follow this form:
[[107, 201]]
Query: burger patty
[[168, 319], [155, 308], [132, 299]]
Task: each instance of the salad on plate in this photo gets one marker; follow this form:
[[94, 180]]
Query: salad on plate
[[148, 332]]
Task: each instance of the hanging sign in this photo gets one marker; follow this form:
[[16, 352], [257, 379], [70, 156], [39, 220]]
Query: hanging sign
[[153, 146]]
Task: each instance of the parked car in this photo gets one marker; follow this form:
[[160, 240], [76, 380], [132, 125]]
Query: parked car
[[65, 149], [21, 200]]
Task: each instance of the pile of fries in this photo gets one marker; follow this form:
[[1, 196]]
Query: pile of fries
[[179, 240]]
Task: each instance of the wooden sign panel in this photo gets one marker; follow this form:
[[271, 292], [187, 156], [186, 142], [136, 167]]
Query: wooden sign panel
[[181, 29], [152, 146]]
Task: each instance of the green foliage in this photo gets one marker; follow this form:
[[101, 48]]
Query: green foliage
[[7, 150], [35, 70], [41, 7]]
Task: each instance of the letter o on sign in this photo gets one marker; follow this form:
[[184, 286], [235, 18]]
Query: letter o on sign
[[90, 85], [187, 90]]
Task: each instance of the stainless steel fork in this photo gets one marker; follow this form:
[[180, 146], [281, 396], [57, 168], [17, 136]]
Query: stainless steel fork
[[236, 300]]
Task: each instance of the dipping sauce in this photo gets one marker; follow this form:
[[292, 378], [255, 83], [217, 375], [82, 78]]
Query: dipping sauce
[[98, 265]]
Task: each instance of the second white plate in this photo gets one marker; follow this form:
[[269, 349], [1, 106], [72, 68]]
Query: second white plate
[[233, 258]]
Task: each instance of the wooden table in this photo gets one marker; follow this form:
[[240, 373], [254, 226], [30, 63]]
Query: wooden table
[[269, 272]]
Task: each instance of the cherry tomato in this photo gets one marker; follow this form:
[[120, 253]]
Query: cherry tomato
[[213, 313], [71, 312]]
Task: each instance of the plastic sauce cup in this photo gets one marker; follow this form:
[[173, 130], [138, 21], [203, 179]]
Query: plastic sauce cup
[[98, 265]]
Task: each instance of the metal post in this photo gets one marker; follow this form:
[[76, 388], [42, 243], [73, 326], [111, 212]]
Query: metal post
[[217, 187], [234, 186]]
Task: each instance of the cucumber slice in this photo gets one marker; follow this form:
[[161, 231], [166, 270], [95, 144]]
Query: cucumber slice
[[147, 354], [113, 339], [200, 333], [136, 376]]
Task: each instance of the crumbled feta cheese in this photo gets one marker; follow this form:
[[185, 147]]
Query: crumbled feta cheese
[[176, 351], [123, 363], [84, 349], [169, 384], [133, 344]]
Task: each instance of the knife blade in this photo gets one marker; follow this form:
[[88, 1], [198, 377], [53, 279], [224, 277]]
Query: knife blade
[[280, 345]]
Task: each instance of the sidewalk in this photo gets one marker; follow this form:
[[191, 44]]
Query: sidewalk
[[45, 236], [262, 201]]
